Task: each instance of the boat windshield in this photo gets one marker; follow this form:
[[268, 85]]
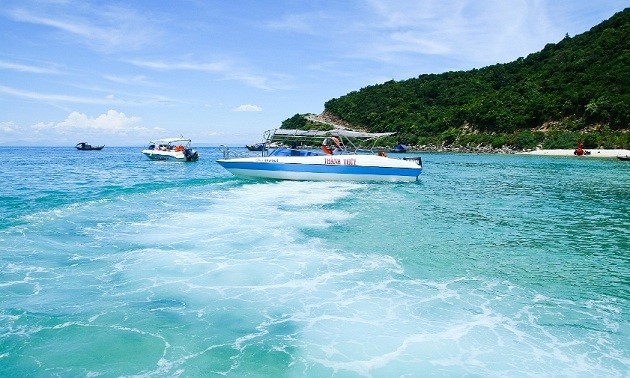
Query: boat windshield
[[292, 152]]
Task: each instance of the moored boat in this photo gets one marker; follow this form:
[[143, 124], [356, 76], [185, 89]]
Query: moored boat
[[399, 148], [256, 147], [171, 149], [623, 158], [84, 146], [338, 159]]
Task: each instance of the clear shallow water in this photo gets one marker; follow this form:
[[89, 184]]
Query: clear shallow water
[[490, 265]]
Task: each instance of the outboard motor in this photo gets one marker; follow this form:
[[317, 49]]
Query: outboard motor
[[190, 154], [187, 154]]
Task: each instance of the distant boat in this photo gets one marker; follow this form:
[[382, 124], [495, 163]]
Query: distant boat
[[256, 147], [83, 146], [624, 158], [399, 148]]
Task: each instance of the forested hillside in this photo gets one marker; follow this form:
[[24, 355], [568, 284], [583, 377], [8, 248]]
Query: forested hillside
[[575, 90]]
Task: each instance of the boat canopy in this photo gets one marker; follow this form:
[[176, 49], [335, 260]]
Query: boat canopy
[[347, 140], [329, 133], [170, 140]]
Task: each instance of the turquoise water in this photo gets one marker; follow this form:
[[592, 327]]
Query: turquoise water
[[490, 265]]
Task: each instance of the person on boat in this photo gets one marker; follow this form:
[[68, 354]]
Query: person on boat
[[382, 153], [326, 150], [327, 146], [337, 144]]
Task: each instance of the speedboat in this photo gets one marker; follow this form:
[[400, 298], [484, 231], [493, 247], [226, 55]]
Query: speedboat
[[623, 158], [338, 158], [83, 146], [171, 149]]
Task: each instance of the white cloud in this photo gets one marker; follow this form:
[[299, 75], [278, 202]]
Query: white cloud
[[160, 65], [415, 43], [27, 68], [306, 23], [53, 97], [7, 127], [108, 99], [112, 122], [101, 27], [130, 80], [228, 71], [43, 126], [248, 108], [112, 127], [403, 33]]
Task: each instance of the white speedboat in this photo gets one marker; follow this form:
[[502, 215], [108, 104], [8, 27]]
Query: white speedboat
[[171, 149], [338, 159]]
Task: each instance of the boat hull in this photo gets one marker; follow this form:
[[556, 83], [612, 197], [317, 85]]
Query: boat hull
[[324, 168], [169, 156], [90, 148]]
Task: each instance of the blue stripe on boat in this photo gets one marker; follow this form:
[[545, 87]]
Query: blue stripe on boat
[[323, 168]]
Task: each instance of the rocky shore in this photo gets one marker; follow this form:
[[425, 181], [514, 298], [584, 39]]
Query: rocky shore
[[592, 153], [329, 119], [464, 149]]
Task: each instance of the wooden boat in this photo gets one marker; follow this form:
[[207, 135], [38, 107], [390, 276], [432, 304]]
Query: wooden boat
[[83, 146], [399, 148], [256, 147]]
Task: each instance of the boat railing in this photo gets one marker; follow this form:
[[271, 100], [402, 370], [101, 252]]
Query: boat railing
[[347, 141], [231, 154]]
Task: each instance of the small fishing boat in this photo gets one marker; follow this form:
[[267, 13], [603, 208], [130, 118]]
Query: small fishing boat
[[83, 146], [338, 158], [256, 147], [171, 149], [399, 148]]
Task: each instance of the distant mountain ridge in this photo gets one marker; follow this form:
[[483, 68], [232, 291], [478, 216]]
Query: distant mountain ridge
[[575, 90]]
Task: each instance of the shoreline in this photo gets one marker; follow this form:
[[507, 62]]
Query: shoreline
[[597, 153], [593, 153]]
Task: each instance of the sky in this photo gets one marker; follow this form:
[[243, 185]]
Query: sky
[[121, 73]]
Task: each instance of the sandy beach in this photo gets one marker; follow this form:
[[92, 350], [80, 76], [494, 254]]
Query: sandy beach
[[598, 153]]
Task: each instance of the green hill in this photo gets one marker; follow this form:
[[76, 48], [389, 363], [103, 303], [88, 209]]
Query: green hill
[[575, 90]]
